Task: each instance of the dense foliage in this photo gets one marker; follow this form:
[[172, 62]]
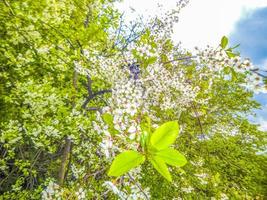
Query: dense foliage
[[79, 86]]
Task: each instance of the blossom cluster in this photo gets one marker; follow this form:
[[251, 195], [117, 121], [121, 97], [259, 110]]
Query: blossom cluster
[[54, 191], [217, 59], [133, 191]]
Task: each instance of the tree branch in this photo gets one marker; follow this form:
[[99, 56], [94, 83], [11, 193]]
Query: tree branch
[[92, 95], [138, 185], [198, 119], [65, 161], [183, 58], [259, 74]]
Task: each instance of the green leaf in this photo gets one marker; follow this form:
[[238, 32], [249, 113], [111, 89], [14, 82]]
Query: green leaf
[[143, 139], [234, 74], [146, 124], [165, 135], [107, 118], [125, 162], [146, 131], [224, 42], [161, 167], [231, 54], [172, 157]]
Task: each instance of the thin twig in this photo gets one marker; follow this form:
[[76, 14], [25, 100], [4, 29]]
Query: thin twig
[[11, 10], [178, 59], [86, 21], [259, 74], [198, 119], [138, 185], [94, 174]]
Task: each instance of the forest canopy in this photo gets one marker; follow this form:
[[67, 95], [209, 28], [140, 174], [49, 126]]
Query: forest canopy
[[94, 107]]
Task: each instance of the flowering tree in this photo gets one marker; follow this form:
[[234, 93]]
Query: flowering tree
[[94, 108]]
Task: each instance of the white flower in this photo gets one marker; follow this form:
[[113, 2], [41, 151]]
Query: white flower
[[106, 145], [80, 194], [203, 175], [224, 196], [86, 53], [114, 189], [132, 129], [131, 110], [132, 136], [187, 189]]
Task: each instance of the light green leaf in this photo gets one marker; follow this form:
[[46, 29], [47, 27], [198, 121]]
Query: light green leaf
[[231, 54], [165, 135], [172, 157], [146, 124], [143, 138], [125, 162], [161, 167], [107, 118], [224, 42]]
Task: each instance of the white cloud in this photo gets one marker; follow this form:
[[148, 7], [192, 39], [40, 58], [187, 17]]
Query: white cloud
[[263, 124], [261, 119], [206, 21], [202, 22]]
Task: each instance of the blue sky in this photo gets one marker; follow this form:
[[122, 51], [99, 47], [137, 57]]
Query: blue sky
[[251, 32], [204, 22]]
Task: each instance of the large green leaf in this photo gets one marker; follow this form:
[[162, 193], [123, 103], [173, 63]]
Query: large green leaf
[[161, 167], [165, 135], [224, 42], [124, 162], [172, 157]]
